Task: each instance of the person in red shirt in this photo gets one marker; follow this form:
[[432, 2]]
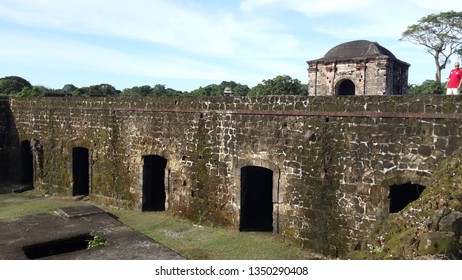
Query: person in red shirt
[[454, 81]]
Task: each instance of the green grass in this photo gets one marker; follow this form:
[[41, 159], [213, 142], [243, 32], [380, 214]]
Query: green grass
[[208, 243], [190, 240], [28, 203]]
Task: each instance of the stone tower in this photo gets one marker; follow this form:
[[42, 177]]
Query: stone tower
[[358, 68]]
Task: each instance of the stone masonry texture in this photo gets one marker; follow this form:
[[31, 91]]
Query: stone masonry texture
[[333, 158]]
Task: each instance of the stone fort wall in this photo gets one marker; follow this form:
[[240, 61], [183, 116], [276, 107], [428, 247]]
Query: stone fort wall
[[333, 159]]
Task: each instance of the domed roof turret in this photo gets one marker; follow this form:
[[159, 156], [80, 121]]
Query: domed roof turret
[[228, 91], [356, 50]]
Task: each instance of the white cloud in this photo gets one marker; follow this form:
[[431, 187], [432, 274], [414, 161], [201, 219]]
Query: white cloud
[[165, 22]]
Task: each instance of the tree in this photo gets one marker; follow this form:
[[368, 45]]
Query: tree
[[173, 92], [280, 85], [159, 90], [146, 90], [104, 89], [101, 90], [238, 89], [138, 91], [217, 90], [440, 34], [13, 84], [427, 87], [33, 91], [204, 91], [68, 88], [96, 90]]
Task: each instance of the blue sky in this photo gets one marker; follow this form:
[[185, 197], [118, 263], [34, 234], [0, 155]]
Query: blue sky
[[185, 44]]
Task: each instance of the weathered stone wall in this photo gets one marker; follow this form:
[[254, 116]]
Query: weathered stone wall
[[333, 158], [371, 76]]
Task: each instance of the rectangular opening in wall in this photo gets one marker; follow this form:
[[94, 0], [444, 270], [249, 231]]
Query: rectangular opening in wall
[[154, 195], [80, 171], [256, 199], [27, 164]]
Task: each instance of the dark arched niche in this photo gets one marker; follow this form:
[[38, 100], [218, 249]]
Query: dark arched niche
[[401, 195], [346, 87]]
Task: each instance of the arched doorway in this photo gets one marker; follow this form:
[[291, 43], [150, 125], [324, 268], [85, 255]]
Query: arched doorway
[[346, 87], [401, 195], [256, 199], [27, 164], [80, 171], [154, 196]]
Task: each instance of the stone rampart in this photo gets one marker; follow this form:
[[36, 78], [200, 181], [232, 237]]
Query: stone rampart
[[332, 160]]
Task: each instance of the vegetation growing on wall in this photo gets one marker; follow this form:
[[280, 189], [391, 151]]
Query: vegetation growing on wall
[[324, 197], [199, 211], [428, 228]]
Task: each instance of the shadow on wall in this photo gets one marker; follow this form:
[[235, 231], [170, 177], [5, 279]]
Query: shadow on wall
[[10, 148]]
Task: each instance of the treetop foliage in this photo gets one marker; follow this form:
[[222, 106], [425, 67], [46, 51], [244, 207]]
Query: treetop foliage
[[12, 85], [280, 85], [217, 90], [283, 84], [427, 87]]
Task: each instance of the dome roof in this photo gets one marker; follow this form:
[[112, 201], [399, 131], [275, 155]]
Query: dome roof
[[357, 49]]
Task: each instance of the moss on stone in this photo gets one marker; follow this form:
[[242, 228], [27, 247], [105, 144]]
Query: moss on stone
[[414, 232]]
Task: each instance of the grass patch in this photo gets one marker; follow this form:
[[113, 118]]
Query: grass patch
[[208, 243], [14, 205], [190, 240]]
